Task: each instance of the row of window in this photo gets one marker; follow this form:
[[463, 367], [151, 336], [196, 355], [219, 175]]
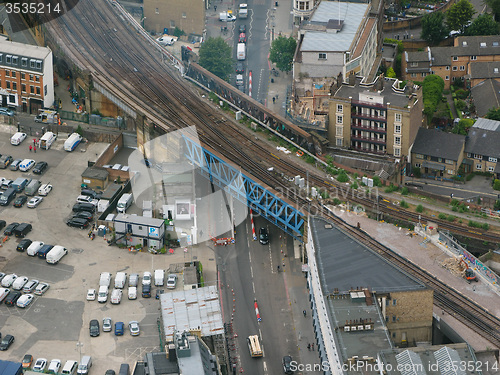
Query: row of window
[[14, 60], [302, 5], [481, 157], [413, 75], [455, 68], [455, 58], [13, 74], [13, 86], [480, 167]]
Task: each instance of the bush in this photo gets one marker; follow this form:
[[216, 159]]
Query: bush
[[404, 204], [354, 185], [460, 105], [469, 177], [336, 201], [391, 188], [405, 191], [377, 181], [419, 208], [496, 184], [442, 216], [450, 218], [417, 172], [342, 177], [462, 94], [485, 226]]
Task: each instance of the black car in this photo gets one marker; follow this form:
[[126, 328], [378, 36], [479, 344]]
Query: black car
[[10, 229], [83, 215], [22, 230], [240, 68], [243, 28], [3, 223], [263, 236], [94, 328], [6, 342], [159, 292], [146, 291], [287, 364], [40, 167], [83, 207], [77, 222], [12, 298], [110, 372], [5, 161], [20, 201], [91, 193], [23, 245]]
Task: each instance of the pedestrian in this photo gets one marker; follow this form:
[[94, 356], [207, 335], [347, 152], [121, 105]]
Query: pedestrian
[[312, 347], [34, 149], [304, 312], [274, 99], [308, 346], [215, 8], [34, 141], [31, 148]]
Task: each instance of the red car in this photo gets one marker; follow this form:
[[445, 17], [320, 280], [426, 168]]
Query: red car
[[243, 38]]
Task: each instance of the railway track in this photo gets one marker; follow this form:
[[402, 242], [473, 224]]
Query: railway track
[[92, 30]]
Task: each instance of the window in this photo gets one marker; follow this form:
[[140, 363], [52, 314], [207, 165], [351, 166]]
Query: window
[[23, 87], [394, 335], [387, 319], [14, 86], [157, 11], [45, 90], [339, 131], [476, 156], [1, 57], [455, 68], [38, 64], [24, 62], [172, 23], [455, 58], [417, 165], [398, 117], [469, 155], [340, 119], [14, 74], [7, 73], [8, 85], [38, 90], [493, 160], [394, 302], [15, 60], [491, 169], [462, 67], [394, 318], [440, 160], [419, 156], [448, 161], [414, 75], [37, 78], [424, 74], [473, 57], [451, 171], [448, 67], [397, 151], [322, 56], [32, 89], [32, 64], [479, 166], [482, 44], [414, 64], [447, 78], [387, 302], [340, 108], [8, 59], [339, 142], [397, 140], [183, 14], [140, 227], [31, 77], [23, 75]]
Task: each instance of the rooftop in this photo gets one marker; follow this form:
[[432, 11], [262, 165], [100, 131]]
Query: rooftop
[[466, 46], [95, 172], [326, 38], [433, 142], [21, 49], [387, 94], [135, 219], [417, 56], [483, 142], [486, 96], [487, 124], [489, 69], [344, 264]]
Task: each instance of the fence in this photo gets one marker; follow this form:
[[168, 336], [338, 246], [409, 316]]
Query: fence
[[73, 116], [478, 266]]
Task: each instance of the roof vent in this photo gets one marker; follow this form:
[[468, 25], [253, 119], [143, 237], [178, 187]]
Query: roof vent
[[482, 44], [495, 70], [335, 24], [495, 44], [464, 43]]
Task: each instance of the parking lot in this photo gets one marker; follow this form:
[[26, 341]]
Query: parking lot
[[56, 325]]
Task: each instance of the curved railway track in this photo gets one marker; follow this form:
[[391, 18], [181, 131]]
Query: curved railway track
[[91, 29]]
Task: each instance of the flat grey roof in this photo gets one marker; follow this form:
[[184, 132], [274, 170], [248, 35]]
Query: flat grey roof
[[351, 13], [135, 219], [487, 124], [95, 172], [346, 264], [21, 49]]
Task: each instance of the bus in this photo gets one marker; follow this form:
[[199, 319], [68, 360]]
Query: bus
[[254, 346], [72, 141]]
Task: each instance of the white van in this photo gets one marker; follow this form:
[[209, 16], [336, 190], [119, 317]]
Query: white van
[[85, 365], [102, 296], [47, 140], [241, 52], [26, 165], [70, 367], [32, 249], [132, 292], [56, 254], [120, 280], [4, 292], [44, 190], [159, 277], [17, 138], [105, 279], [124, 203]]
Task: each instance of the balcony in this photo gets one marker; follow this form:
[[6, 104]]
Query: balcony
[[368, 128], [368, 104], [379, 152], [367, 117], [369, 140]]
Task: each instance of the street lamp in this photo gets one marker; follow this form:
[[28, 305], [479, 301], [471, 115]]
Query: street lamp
[[79, 345]]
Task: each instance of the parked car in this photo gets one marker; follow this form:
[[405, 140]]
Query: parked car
[[17, 138], [35, 201], [83, 215], [132, 292], [6, 111], [33, 249], [263, 236], [3, 223], [6, 342], [8, 280], [83, 207], [146, 291], [77, 222], [40, 167], [119, 328], [240, 68], [25, 300], [242, 38], [171, 281], [14, 166], [26, 165], [20, 282], [287, 364], [94, 328], [134, 328], [4, 292], [146, 278], [12, 298], [116, 296], [44, 190], [27, 361], [91, 295], [242, 29], [22, 229], [41, 288], [30, 286], [40, 365], [23, 245], [20, 201], [54, 366], [133, 279], [5, 161], [107, 326], [10, 228]]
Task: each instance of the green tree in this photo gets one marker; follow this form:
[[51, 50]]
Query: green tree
[[463, 126], [215, 56], [493, 114], [459, 15], [433, 28], [282, 51], [390, 73], [432, 89], [495, 8], [484, 24], [178, 32], [496, 184]]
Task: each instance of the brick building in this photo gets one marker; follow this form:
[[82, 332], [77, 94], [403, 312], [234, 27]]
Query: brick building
[[482, 151], [187, 15], [416, 65], [378, 117], [26, 76]]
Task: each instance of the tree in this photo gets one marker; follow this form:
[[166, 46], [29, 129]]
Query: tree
[[215, 56], [493, 114], [459, 15], [433, 28], [463, 126], [390, 73], [495, 8], [282, 51], [484, 24]]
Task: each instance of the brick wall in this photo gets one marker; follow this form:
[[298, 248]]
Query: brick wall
[[108, 154]]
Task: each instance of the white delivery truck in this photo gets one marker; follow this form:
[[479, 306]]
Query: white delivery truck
[[56, 254], [159, 277], [124, 203], [243, 11], [120, 279], [47, 140], [226, 17], [240, 52]]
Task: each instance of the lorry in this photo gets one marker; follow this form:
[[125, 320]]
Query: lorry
[[109, 194], [240, 52], [227, 16], [243, 11], [46, 116], [124, 203], [167, 40]]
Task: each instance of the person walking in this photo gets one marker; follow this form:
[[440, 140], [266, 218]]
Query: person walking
[[34, 149], [308, 346], [304, 312], [312, 347], [215, 8], [31, 148]]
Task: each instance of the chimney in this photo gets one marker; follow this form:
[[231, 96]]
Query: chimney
[[352, 79]]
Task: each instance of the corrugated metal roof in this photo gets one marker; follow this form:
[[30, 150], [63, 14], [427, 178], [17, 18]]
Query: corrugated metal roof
[[487, 124], [409, 363], [351, 13]]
